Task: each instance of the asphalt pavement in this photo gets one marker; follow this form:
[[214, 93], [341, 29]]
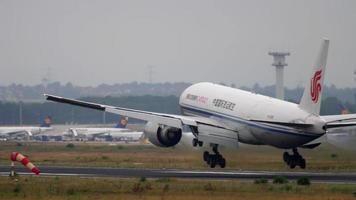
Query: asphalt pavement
[[327, 177]]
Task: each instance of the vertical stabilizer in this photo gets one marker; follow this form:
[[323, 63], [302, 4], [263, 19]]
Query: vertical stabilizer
[[123, 122], [311, 98], [47, 122]]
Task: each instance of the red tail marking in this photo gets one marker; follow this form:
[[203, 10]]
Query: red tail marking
[[315, 86]]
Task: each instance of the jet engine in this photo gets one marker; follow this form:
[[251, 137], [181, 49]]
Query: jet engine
[[162, 136]]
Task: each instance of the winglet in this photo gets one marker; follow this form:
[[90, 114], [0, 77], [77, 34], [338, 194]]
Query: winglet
[[311, 98], [74, 102]]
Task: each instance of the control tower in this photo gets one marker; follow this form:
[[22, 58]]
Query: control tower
[[279, 63]]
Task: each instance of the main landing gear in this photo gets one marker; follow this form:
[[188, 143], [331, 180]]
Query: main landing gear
[[214, 159], [294, 160], [211, 159]]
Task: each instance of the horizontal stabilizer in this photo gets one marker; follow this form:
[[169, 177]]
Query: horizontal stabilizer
[[338, 121], [311, 146], [338, 118], [339, 125]]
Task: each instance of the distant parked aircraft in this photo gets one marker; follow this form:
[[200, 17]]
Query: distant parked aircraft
[[12, 131], [119, 133]]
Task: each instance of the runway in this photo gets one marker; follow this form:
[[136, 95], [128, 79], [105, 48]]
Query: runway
[[179, 173]]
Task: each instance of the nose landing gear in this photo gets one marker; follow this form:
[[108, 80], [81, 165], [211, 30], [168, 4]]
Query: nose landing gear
[[294, 160], [196, 142], [214, 159]]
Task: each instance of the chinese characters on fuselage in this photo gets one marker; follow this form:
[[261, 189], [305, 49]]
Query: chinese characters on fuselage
[[224, 104]]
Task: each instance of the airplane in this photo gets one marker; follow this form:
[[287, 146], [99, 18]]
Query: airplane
[[13, 131], [75, 132], [118, 133], [223, 116]]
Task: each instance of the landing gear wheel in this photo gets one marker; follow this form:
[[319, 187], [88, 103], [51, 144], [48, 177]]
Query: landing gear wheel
[[200, 143], [195, 142], [206, 156], [222, 163], [302, 163], [208, 161], [292, 165], [286, 156], [212, 161]]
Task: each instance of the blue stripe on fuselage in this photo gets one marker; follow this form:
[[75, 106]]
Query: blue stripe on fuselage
[[271, 129]]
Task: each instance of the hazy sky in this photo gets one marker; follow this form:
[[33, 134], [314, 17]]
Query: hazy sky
[[90, 42]]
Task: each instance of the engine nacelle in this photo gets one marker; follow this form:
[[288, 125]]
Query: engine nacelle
[[162, 136]]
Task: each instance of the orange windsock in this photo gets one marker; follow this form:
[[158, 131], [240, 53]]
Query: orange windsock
[[15, 156]]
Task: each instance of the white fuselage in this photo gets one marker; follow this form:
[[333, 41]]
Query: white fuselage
[[115, 133], [30, 130], [95, 131], [240, 110]]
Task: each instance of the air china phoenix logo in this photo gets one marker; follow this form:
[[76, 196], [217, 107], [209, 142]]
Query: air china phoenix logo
[[315, 86]]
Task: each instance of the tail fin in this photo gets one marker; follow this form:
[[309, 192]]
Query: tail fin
[[122, 123], [47, 122], [311, 99]]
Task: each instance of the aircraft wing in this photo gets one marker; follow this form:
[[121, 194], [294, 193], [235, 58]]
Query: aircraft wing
[[88, 132], [13, 132], [19, 131], [177, 121], [96, 134], [338, 118]]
